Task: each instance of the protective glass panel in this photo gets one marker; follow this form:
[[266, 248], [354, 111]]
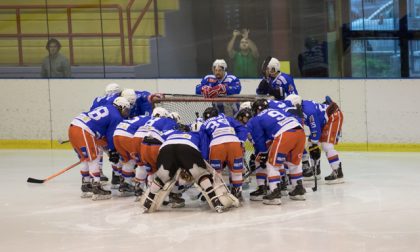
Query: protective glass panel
[[414, 58], [413, 10], [375, 58], [374, 15]]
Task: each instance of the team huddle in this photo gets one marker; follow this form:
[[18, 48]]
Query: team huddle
[[156, 157]]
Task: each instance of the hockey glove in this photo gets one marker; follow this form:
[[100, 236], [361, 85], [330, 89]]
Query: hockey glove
[[314, 151], [205, 90], [114, 157], [262, 157], [332, 108], [155, 97], [217, 90]]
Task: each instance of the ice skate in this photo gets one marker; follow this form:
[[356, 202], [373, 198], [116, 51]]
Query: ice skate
[[115, 181], [126, 189], [104, 178], [176, 200], [138, 191], [258, 194], [86, 190], [298, 192], [308, 174], [237, 192], [274, 197], [336, 176], [218, 206], [99, 193]]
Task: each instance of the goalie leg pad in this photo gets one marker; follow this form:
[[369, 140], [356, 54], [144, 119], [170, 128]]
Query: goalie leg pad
[[154, 196]]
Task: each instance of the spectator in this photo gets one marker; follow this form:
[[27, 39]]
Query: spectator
[[313, 62], [244, 60], [55, 65]]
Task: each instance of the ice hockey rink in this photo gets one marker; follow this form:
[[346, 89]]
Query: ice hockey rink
[[376, 209]]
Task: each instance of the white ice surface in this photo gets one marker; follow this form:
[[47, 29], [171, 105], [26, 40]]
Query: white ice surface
[[376, 209]]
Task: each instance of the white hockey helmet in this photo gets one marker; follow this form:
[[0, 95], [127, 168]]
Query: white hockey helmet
[[294, 99], [122, 103], [160, 112], [274, 65], [175, 116], [130, 95], [195, 127], [112, 88], [245, 105], [220, 63]]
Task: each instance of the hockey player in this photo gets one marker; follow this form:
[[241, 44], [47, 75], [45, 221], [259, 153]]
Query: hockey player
[[274, 82], [181, 151], [129, 148], [220, 83], [141, 101], [112, 91], [84, 133], [226, 139], [288, 141], [325, 122]]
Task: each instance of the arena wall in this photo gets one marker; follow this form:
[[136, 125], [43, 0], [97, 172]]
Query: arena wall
[[378, 114]]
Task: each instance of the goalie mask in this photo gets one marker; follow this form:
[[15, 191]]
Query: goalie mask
[[259, 105], [210, 112]]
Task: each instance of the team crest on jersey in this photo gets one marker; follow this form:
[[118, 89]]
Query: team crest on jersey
[[212, 80]]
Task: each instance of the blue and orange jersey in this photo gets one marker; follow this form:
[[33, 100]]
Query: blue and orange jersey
[[232, 83], [142, 106], [269, 124], [315, 118], [100, 122]]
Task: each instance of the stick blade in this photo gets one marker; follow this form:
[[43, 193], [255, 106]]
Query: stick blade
[[36, 181]]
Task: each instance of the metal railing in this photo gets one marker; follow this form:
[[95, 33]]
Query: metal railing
[[69, 34]]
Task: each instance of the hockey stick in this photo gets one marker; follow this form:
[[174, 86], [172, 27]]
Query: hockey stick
[[61, 141], [40, 181], [315, 188]]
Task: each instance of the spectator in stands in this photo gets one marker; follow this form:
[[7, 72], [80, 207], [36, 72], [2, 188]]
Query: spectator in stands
[[244, 60], [55, 65], [313, 62]]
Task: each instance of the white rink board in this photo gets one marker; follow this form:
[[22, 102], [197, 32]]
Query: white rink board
[[377, 111]]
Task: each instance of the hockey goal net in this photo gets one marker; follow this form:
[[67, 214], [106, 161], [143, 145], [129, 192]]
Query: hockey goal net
[[190, 107]]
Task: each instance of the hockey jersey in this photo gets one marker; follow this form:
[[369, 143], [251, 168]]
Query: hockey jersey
[[193, 139], [267, 125], [223, 129], [156, 127], [282, 83], [129, 127], [100, 122], [103, 100], [232, 83], [142, 106], [316, 117]]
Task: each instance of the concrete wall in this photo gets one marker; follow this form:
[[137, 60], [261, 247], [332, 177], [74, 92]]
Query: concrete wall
[[375, 111]]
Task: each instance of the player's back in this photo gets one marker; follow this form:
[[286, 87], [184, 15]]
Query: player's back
[[103, 100], [219, 130], [129, 127], [314, 113], [157, 126]]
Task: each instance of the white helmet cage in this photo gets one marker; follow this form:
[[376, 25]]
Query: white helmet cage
[[160, 112], [274, 65], [220, 63], [112, 88], [130, 95]]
